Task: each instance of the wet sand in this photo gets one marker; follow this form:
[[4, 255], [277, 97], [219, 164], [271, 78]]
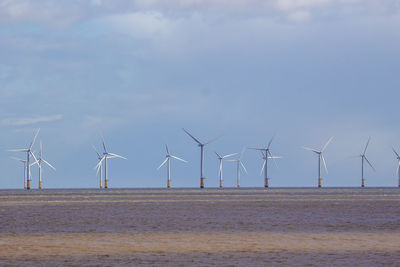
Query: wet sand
[[184, 227]]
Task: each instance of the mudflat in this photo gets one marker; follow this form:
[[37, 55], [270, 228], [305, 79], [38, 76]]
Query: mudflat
[[229, 227]]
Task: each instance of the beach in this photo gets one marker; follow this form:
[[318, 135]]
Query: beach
[[210, 227]]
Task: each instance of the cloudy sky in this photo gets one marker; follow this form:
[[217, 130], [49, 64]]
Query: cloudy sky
[[138, 71]]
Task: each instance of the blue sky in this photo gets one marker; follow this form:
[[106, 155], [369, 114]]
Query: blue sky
[[138, 71]]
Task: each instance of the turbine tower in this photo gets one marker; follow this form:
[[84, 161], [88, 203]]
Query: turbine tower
[[398, 164], [238, 165], [23, 161], [107, 155], [363, 157], [201, 145], [221, 159], [167, 160], [28, 154], [99, 167], [266, 152], [265, 165], [320, 156], [39, 163]]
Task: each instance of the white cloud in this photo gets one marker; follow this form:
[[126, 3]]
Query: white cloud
[[142, 25], [97, 2], [65, 13], [299, 15], [30, 120], [296, 4]]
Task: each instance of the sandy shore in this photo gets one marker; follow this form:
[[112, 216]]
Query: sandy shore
[[13, 246]]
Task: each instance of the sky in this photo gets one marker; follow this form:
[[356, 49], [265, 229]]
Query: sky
[[139, 71]]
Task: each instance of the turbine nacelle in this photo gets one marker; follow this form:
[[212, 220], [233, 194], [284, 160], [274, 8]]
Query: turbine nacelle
[[320, 156], [266, 154], [364, 157]]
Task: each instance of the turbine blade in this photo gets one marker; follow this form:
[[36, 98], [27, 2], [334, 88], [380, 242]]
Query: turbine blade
[[311, 149], [260, 149], [369, 163], [366, 146], [175, 157], [194, 138], [327, 143], [273, 159], [33, 155], [48, 164], [98, 169], [116, 156], [263, 166], [104, 145], [166, 159], [100, 162], [166, 148], [395, 152], [323, 160], [242, 152], [270, 141], [34, 138], [95, 150], [212, 140], [244, 168], [230, 155], [18, 159], [18, 150], [218, 155]]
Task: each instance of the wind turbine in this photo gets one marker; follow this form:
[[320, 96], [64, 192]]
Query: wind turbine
[[39, 163], [167, 160], [221, 159], [398, 164], [265, 164], [23, 161], [107, 155], [99, 167], [266, 153], [201, 145], [28, 154], [320, 156], [238, 164], [363, 157]]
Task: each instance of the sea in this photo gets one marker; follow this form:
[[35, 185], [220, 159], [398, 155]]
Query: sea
[[200, 227]]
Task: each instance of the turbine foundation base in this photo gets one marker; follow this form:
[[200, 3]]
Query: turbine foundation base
[[168, 184], [28, 185], [105, 183], [220, 184], [319, 182], [362, 183], [266, 183], [201, 182], [40, 185]]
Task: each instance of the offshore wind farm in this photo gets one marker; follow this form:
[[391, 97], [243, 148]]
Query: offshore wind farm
[[101, 167], [199, 133]]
